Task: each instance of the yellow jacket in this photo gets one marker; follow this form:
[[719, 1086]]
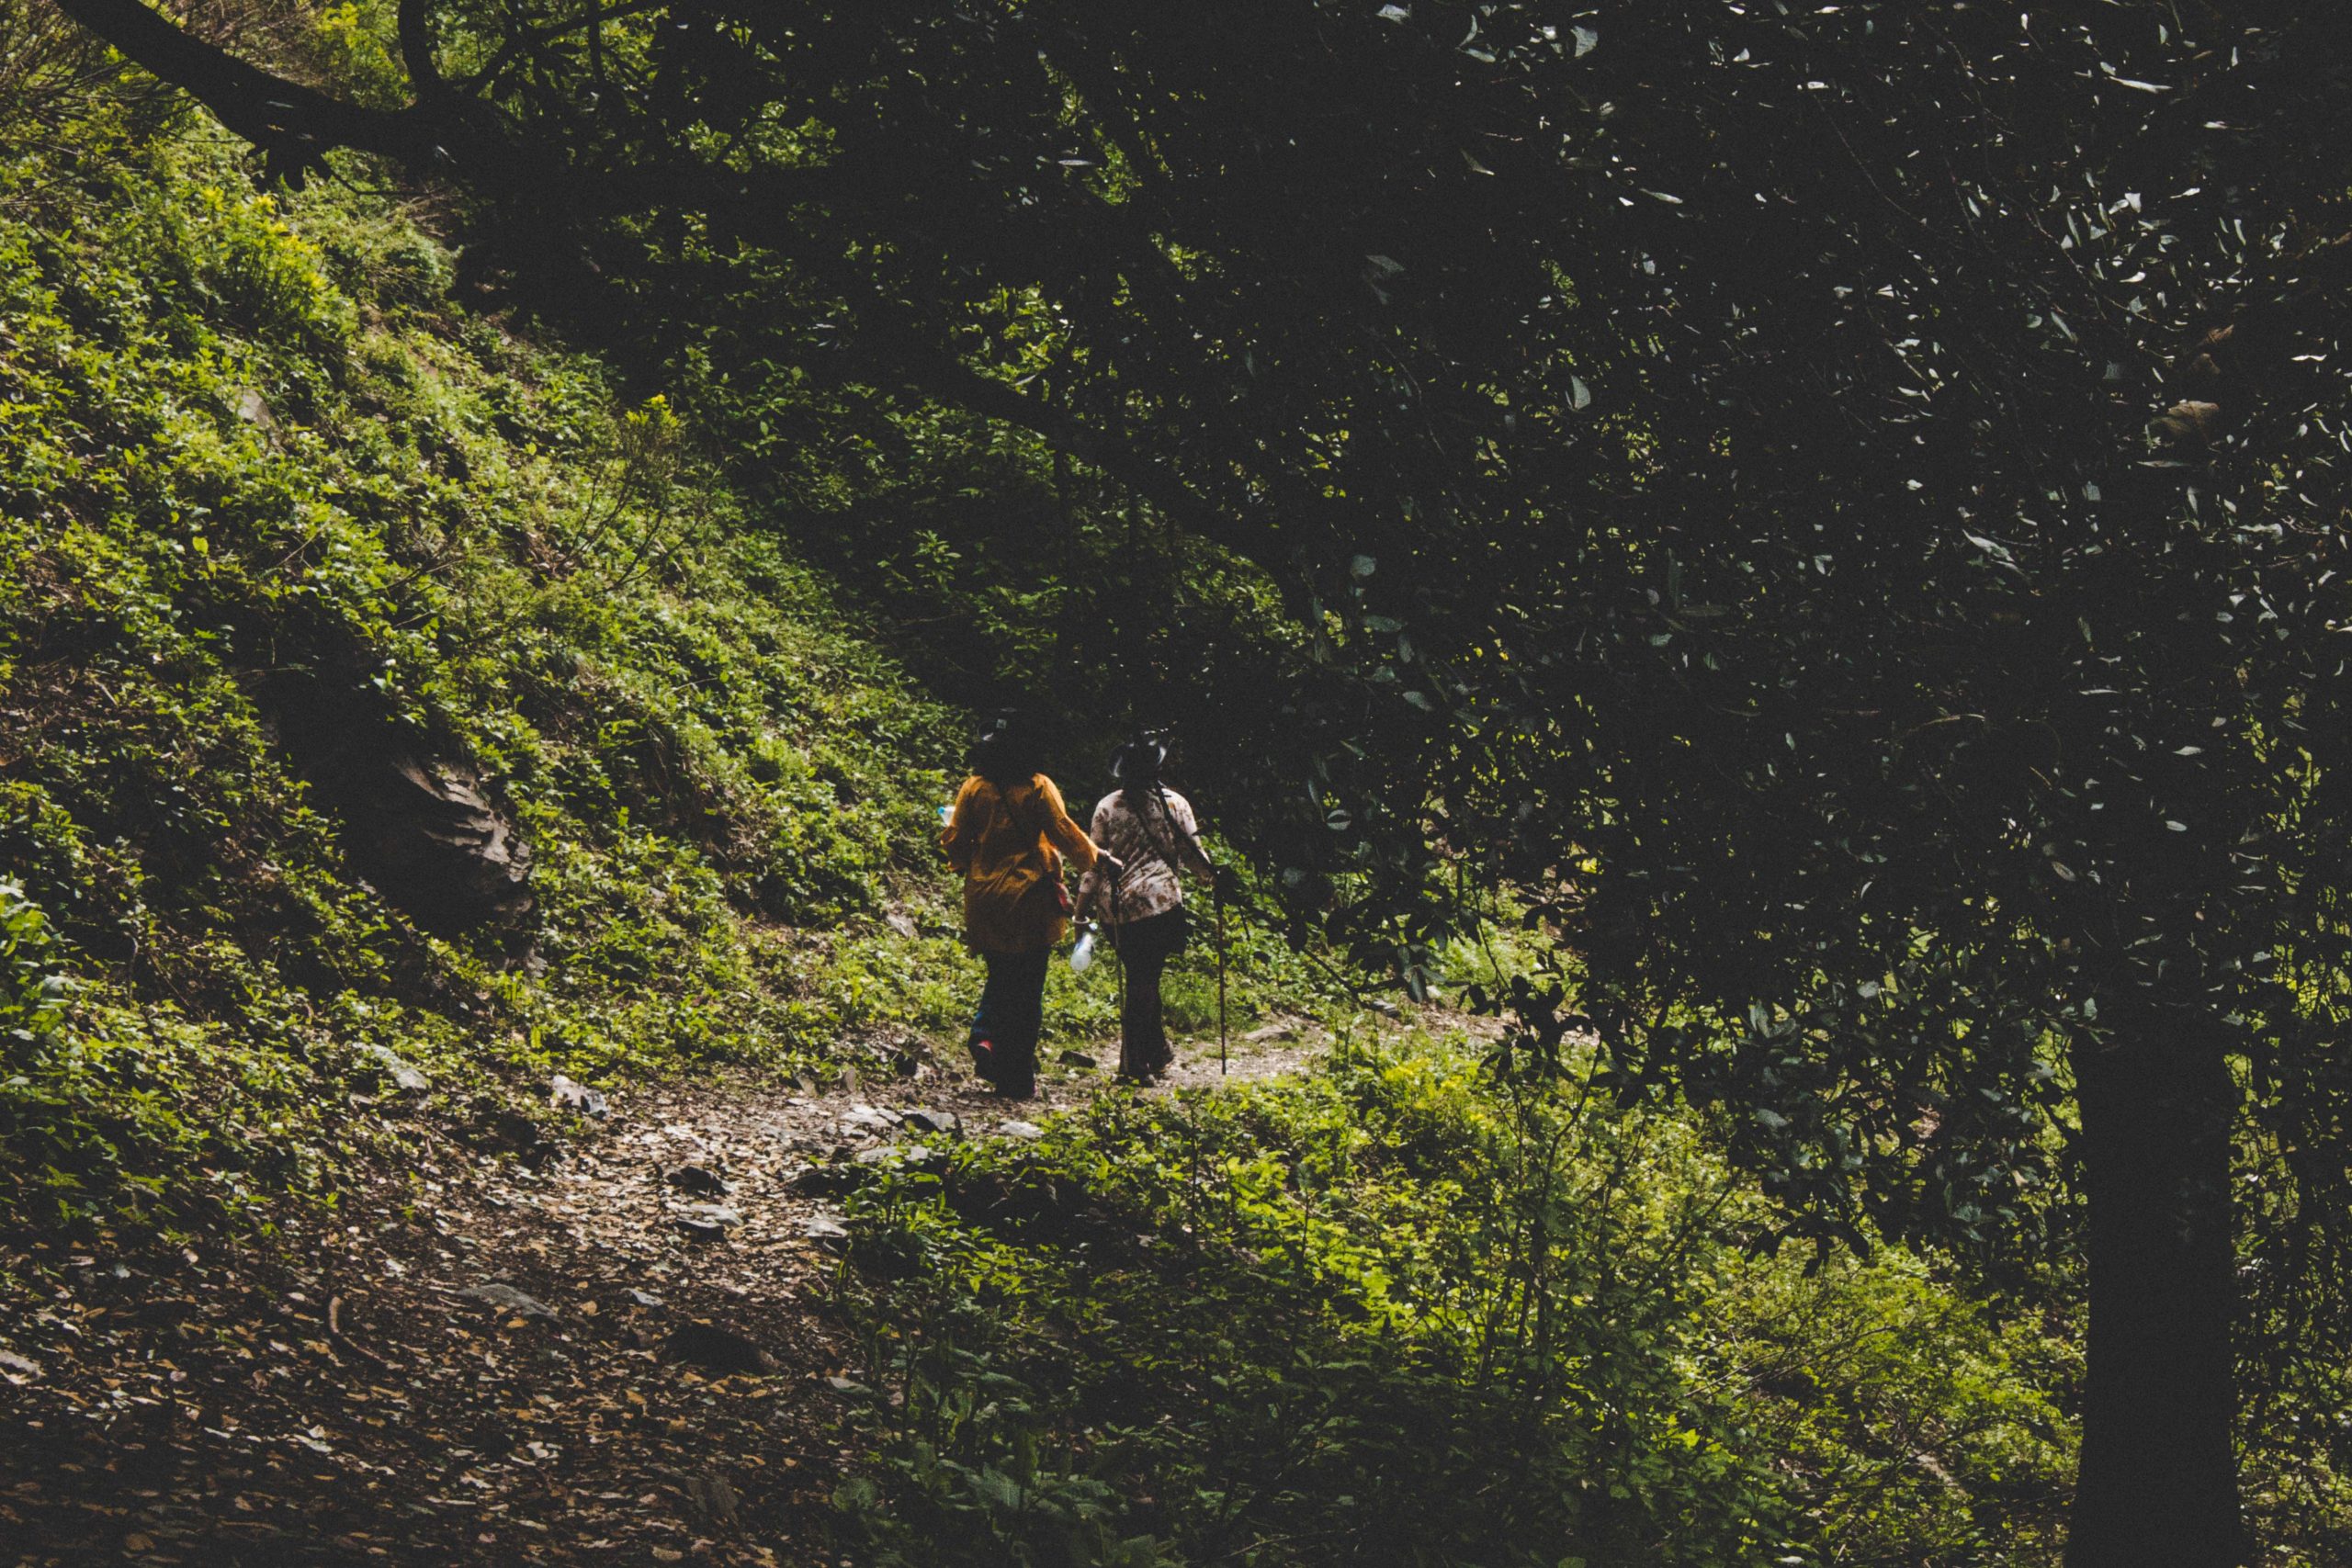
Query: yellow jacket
[[1004, 842]]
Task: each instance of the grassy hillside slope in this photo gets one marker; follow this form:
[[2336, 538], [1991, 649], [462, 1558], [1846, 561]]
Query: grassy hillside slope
[[268, 501]]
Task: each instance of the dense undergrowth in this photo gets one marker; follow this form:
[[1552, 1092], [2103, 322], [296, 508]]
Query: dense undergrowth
[[1409, 1311]]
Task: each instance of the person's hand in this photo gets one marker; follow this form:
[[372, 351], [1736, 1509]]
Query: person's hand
[[1111, 864]]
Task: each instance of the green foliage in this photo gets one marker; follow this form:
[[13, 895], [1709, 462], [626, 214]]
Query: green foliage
[[32, 994], [254, 453], [1560, 581], [251, 452], [1410, 1310], [1881, 600], [107, 1110]]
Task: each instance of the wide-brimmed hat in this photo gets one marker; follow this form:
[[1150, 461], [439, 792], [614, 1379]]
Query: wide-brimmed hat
[[1139, 760]]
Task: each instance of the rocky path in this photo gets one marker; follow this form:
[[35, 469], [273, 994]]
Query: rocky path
[[606, 1347]]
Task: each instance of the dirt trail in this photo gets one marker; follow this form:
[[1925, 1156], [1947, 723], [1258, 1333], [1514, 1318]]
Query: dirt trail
[[490, 1356]]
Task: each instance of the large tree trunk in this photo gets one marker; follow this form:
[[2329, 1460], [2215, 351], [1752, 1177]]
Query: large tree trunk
[[2158, 1487]]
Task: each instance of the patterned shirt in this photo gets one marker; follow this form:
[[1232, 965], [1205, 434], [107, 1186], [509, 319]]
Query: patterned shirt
[[1152, 835]]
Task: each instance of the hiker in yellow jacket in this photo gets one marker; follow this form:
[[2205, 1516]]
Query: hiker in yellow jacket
[[1007, 834]]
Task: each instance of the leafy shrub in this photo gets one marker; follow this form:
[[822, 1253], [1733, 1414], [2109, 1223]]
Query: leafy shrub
[[112, 1110], [32, 990], [1414, 1312]]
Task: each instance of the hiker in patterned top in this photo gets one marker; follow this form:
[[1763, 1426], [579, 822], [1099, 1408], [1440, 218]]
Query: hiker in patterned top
[[1007, 834], [1147, 833]]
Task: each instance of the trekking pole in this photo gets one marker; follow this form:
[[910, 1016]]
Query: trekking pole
[[1216, 892], [1119, 954]]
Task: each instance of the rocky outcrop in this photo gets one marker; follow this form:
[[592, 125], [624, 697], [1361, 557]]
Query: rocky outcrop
[[421, 829], [424, 834]]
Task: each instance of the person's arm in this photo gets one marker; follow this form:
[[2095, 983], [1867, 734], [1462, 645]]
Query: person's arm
[[1061, 832], [960, 836], [1091, 888], [1191, 851]]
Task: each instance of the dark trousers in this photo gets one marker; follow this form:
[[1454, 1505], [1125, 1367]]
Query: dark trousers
[[1012, 1015], [1145, 947]]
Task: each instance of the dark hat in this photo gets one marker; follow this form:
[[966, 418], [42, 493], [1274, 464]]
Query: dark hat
[[1139, 761], [1007, 748]]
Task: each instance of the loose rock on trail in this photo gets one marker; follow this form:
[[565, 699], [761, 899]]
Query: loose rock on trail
[[608, 1345]]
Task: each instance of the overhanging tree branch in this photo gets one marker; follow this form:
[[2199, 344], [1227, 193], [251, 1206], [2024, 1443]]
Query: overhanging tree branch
[[295, 125], [292, 124]]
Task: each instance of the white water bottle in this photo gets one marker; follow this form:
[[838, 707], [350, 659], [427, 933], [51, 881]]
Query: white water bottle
[[1083, 953]]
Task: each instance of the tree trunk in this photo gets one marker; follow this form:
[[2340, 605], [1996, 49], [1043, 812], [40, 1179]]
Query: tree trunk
[[2158, 1485]]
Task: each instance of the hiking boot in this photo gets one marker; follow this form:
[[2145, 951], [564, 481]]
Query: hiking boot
[[1145, 1074], [984, 1060]]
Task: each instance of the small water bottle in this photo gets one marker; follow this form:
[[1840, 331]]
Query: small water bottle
[[1082, 955]]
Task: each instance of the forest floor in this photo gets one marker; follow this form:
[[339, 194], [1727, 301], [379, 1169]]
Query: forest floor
[[605, 1342]]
